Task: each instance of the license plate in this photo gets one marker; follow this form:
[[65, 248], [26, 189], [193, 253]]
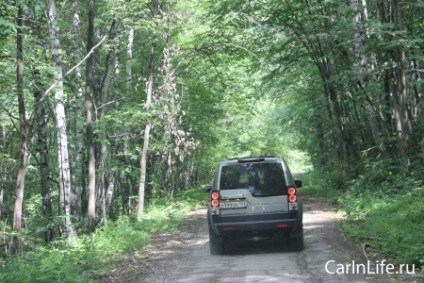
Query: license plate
[[233, 204]]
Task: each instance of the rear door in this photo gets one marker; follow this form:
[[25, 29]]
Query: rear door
[[257, 187]]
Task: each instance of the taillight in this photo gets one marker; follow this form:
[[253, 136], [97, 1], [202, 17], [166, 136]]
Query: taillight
[[215, 202], [215, 199], [292, 197]]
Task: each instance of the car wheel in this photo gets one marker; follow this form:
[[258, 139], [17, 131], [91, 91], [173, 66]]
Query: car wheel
[[216, 243], [296, 239]]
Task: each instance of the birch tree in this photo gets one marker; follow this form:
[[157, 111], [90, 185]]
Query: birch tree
[[91, 213], [79, 128], [126, 200], [60, 120], [23, 152], [148, 126]]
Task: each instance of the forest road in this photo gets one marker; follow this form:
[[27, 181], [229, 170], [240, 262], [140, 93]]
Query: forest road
[[183, 256]]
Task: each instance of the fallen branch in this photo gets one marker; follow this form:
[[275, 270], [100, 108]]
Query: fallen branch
[[364, 250], [372, 238]]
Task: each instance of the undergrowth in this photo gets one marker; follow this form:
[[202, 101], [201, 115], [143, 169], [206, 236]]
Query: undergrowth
[[318, 185], [388, 217], [381, 208], [94, 256]]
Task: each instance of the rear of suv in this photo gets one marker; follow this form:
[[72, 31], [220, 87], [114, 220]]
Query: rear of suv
[[254, 198]]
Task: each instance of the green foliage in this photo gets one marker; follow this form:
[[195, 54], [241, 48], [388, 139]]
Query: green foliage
[[93, 256], [260, 77], [193, 198], [167, 213], [113, 239], [380, 208], [49, 265], [387, 214], [319, 184]]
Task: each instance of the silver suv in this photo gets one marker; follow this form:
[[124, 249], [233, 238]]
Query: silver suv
[[254, 198]]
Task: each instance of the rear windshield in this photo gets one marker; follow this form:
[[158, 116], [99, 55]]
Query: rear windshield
[[261, 179]]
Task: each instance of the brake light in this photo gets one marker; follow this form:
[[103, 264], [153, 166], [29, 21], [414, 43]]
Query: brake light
[[292, 197], [292, 194], [215, 199], [215, 202]]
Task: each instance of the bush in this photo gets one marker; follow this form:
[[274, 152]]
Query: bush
[[48, 265], [382, 208], [93, 256], [389, 216], [317, 184]]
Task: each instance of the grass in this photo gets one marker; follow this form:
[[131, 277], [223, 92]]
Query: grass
[[94, 256], [383, 211], [391, 223], [314, 185]]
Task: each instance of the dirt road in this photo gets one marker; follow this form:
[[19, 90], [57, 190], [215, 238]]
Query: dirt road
[[184, 256]]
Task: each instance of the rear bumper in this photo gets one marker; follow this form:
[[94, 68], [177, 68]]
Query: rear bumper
[[264, 223]]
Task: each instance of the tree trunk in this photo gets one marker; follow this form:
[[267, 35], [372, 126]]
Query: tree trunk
[[110, 189], [102, 182], [143, 169], [42, 115], [416, 78], [143, 154], [60, 119], [76, 201], [1, 199], [23, 154], [128, 66], [400, 98], [91, 213], [401, 112], [43, 150], [125, 188], [3, 170], [364, 76]]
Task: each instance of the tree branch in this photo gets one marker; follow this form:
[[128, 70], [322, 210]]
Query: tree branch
[[254, 21], [47, 92]]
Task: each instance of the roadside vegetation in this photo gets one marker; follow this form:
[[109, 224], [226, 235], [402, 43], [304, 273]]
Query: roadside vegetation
[[93, 256], [387, 215], [109, 105], [381, 210]]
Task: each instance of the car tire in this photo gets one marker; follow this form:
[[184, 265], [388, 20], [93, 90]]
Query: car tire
[[296, 239], [216, 243]]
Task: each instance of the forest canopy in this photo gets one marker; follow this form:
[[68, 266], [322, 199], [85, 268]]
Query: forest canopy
[[108, 106]]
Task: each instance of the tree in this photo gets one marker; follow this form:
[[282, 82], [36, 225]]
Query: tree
[[23, 152], [91, 213], [60, 119], [105, 178], [148, 126], [78, 185]]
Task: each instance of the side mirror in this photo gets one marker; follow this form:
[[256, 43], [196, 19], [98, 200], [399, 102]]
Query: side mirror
[[298, 183], [208, 189]]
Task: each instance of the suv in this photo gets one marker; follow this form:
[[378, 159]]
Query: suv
[[254, 198]]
